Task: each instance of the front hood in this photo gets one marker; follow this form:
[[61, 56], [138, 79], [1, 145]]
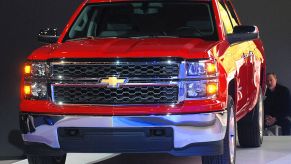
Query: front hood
[[126, 48]]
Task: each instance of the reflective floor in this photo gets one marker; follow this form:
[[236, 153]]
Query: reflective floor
[[275, 150], [7, 161]]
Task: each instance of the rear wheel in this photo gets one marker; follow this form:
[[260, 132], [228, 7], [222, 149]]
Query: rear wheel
[[250, 128], [46, 159], [229, 153]]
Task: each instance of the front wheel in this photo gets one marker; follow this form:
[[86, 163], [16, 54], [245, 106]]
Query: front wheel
[[46, 159], [250, 128], [229, 144]]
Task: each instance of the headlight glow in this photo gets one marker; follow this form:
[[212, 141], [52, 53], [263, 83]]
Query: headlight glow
[[27, 69], [211, 68], [39, 69], [196, 89], [27, 90], [39, 90], [196, 69], [211, 89]]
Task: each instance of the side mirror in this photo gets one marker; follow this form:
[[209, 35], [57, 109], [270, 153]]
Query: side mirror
[[48, 35], [243, 33]]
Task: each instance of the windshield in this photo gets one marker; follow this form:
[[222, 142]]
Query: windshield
[[145, 19]]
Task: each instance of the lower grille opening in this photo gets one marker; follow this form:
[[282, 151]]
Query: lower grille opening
[[115, 139]]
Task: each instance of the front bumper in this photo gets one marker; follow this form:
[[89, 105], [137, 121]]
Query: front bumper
[[191, 134]]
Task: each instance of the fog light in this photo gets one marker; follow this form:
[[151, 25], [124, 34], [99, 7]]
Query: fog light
[[39, 90]]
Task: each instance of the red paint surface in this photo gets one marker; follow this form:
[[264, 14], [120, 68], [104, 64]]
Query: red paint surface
[[126, 48]]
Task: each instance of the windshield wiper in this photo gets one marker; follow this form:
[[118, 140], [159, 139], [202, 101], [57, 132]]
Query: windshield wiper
[[92, 38], [82, 38]]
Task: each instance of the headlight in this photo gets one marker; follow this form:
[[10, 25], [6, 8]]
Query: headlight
[[196, 89], [202, 81], [201, 89], [35, 90], [201, 68], [35, 82], [38, 90], [38, 69]]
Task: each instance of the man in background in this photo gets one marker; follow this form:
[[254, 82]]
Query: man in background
[[277, 105]]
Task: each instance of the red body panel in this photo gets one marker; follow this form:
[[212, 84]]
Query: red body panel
[[126, 48], [185, 108]]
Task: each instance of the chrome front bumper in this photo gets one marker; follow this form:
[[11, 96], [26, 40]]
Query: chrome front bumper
[[187, 129]]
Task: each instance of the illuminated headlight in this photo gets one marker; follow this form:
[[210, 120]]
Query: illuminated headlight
[[37, 69], [201, 89], [39, 90], [196, 89], [201, 68], [35, 90]]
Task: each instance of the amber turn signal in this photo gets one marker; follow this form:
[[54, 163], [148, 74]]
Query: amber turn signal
[[27, 89], [211, 68], [211, 88], [27, 69]]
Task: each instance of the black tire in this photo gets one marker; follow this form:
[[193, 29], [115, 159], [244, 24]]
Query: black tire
[[250, 128], [225, 158], [46, 159]]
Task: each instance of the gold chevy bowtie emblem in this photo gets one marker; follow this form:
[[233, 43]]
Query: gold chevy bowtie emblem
[[113, 82]]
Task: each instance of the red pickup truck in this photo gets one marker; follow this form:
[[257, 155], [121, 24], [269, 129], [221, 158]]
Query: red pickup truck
[[179, 77]]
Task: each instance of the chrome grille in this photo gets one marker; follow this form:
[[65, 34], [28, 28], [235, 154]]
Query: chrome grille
[[135, 69], [115, 96]]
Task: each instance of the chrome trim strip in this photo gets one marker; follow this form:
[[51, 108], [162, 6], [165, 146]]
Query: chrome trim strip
[[53, 94], [63, 78], [127, 84], [170, 62], [173, 105], [182, 71]]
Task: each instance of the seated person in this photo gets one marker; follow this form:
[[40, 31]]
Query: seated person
[[277, 105]]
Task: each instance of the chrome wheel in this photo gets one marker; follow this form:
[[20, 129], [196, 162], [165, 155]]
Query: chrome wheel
[[229, 141]]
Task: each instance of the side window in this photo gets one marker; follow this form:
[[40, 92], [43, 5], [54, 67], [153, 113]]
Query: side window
[[232, 12], [225, 19], [84, 23]]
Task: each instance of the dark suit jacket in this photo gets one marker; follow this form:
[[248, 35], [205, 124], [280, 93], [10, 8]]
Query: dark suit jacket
[[277, 103]]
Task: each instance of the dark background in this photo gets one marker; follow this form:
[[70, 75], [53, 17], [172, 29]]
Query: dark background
[[20, 21]]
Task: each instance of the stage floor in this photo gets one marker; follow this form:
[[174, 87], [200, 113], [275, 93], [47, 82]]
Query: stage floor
[[275, 150]]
